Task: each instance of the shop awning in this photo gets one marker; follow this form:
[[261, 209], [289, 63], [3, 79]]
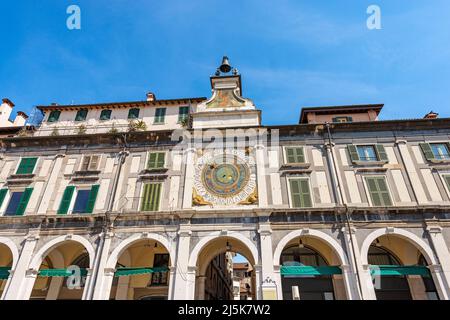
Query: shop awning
[[132, 271], [4, 272], [59, 272], [309, 270], [394, 270]]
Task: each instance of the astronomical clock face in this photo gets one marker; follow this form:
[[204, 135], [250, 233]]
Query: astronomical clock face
[[225, 177]]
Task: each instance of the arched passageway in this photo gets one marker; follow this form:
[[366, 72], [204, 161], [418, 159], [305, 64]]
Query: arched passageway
[[6, 262], [62, 273], [310, 270], [218, 277], [142, 272], [399, 270]]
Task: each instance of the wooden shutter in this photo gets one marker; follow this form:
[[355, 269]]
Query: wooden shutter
[[92, 198], [26, 166], [66, 199], [300, 193], [85, 164], [155, 160], [446, 178], [160, 159], [3, 193], [354, 156], [426, 149], [93, 164], [379, 191], [381, 152], [24, 201], [151, 197], [151, 160], [295, 155]]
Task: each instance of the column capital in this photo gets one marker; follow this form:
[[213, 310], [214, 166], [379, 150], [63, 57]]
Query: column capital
[[192, 269], [435, 268], [184, 232], [264, 231], [31, 237], [109, 272], [434, 229], [31, 273], [346, 268], [346, 231]]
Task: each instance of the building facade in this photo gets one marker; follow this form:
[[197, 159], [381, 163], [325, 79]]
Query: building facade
[[134, 200]]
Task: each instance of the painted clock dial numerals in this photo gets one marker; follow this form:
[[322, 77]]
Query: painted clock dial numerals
[[225, 177]]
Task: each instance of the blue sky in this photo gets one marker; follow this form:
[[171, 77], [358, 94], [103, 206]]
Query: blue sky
[[290, 53]]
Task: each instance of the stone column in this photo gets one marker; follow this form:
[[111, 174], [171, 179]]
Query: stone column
[[268, 281], [261, 175], [259, 281], [437, 273], [19, 287], [356, 291], [443, 255], [189, 293], [183, 283], [122, 288], [87, 284], [54, 288], [201, 281], [102, 286], [188, 178]]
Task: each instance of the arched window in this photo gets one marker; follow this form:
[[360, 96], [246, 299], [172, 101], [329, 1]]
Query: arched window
[[302, 255], [381, 256]]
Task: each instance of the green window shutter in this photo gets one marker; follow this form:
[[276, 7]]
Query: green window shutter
[[54, 116], [3, 193], [155, 160], [426, 149], [353, 152], [133, 113], [24, 201], [151, 197], [300, 194], [92, 198], [446, 178], [295, 155], [183, 113], [81, 115], [105, 115], [379, 192], [381, 152], [66, 199], [26, 165]]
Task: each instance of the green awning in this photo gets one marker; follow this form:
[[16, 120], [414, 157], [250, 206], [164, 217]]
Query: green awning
[[132, 271], [394, 270], [309, 270], [59, 272], [4, 273]]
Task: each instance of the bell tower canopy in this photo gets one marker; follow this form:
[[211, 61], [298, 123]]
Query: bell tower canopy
[[226, 107]]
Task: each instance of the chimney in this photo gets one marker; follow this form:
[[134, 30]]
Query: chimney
[[151, 96], [7, 101], [431, 115]]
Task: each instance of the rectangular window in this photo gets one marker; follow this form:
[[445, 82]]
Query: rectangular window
[[367, 153], [379, 192], [156, 160], [90, 163], [160, 114], [85, 200], [295, 155], [300, 193], [105, 115], [342, 119], [151, 197], [54, 116], [81, 115], [133, 113], [183, 114], [26, 166], [440, 151], [18, 202], [161, 260]]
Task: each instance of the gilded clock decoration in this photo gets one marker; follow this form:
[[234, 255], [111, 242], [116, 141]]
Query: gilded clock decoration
[[225, 177]]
